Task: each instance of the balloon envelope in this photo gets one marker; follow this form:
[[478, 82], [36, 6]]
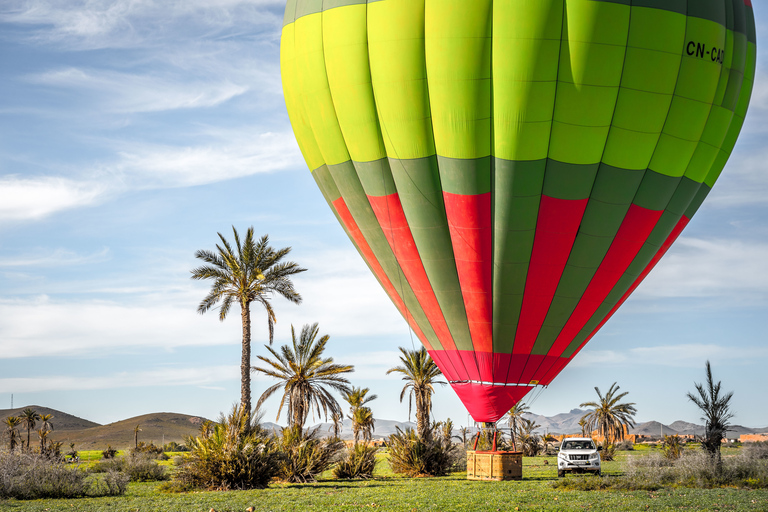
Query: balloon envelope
[[511, 170]]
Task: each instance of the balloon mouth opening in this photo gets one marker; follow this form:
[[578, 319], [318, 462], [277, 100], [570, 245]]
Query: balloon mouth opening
[[487, 402]]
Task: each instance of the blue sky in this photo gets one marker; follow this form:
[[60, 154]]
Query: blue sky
[[131, 132]]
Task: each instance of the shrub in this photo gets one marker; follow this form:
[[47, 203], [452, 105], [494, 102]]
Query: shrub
[[150, 450], [358, 462], [235, 453], [414, 456], [625, 446], [305, 455], [672, 447], [109, 453], [31, 476], [757, 451], [138, 467], [608, 452], [173, 446]]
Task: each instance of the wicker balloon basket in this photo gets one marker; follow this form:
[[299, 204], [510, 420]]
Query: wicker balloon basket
[[494, 465]]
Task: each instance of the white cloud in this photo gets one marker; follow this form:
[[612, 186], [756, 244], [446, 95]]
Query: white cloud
[[227, 154], [127, 92], [340, 295], [35, 198], [55, 258], [93, 24], [732, 269], [197, 376], [687, 355]]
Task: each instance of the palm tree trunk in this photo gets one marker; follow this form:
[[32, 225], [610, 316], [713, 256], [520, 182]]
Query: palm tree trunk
[[422, 415], [245, 363]]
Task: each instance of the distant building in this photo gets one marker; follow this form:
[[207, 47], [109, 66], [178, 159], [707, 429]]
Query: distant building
[[753, 438]]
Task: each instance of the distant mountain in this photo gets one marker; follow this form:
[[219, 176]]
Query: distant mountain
[[61, 421], [563, 423], [382, 428], [157, 428], [654, 428]]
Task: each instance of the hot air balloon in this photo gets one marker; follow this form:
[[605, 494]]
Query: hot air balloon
[[511, 170]]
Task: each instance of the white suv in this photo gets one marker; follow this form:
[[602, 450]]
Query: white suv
[[578, 454]]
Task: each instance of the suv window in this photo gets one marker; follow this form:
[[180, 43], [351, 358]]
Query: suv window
[[578, 445]]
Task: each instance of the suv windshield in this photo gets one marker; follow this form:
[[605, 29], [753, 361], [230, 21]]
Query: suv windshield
[[578, 445]]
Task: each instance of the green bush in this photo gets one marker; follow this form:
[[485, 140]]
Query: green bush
[[305, 455], [235, 453], [358, 462], [413, 456], [31, 476]]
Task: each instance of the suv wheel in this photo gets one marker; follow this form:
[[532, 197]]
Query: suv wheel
[[560, 473]]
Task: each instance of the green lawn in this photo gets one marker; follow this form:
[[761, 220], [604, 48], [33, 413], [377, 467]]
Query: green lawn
[[389, 492]]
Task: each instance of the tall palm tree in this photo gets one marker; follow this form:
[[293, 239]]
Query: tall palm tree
[[363, 423], [304, 375], [609, 417], [12, 424], [46, 419], [357, 398], [717, 412], [336, 418], [252, 271], [515, 417], [420, 373], [136, 431], [29, 419]]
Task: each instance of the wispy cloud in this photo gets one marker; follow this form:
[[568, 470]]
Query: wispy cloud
[[196, 376], [341, 296], [727, 269], [55, 258], [123, 92], [35, 198], [227, 154], [92, 24], [688, 355]]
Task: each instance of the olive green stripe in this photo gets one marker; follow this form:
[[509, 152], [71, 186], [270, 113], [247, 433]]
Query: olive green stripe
[[344, 178], [421, 196], [515, 198], [704, 9], [296, 9]]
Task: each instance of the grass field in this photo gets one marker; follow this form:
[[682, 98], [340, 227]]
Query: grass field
[[390, 492]]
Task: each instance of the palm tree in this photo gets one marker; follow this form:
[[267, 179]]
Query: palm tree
[[136, 431], [363, 422], [421, 373], [29, 419], [717, 412], [12, 423], [515, 418], [336, 418], [357, 398], [42, 433], [530, 442], [464, 432], [583, 425], [609, 417], [251, 272], [46, 419], [304, 375]]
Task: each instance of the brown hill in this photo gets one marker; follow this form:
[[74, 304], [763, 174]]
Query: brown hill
[[61, 421], [158, 428]]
